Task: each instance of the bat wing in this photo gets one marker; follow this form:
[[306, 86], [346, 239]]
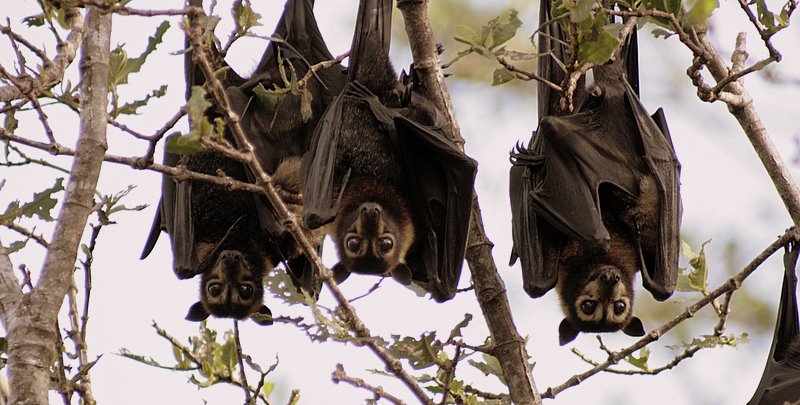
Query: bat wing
[[780, 382], [442, 177], [372, 35], [273, 125], [555, 182], [439, 180]]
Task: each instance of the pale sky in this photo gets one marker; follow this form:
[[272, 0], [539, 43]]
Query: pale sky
[[726, 196]]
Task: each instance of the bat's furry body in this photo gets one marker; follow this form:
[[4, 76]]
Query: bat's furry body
[[392, 187], [233, 238], [595, 197]]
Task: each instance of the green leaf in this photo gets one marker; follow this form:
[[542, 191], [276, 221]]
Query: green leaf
[[765, 17], [244, 17], [121, 66], [467, 35], [700, 11], [581, 11], [225, 358], [41, 205], [16, 246], [305, 105], [267, 99], [456, 332], [641, 361], [502, 76], [201, 127], [197, 106], [184, 144], [133, 107], [268, 387], [710, 341], [696, 279], [503, 28], [597, 44], [670, 6], [420, 353], [34, 20], [489, 366]]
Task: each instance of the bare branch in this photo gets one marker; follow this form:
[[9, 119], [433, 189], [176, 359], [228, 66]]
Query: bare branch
[[242, 375], [489, 287], [51, 73], [339, 375]]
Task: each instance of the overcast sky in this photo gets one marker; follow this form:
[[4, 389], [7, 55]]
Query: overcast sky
[[726, 196]]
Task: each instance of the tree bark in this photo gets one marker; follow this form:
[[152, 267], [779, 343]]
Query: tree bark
[[509, 347], [751, 123], [31, 323]]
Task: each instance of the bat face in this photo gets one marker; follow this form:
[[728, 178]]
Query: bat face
[[372, 239], [596, 291], [232, 288]]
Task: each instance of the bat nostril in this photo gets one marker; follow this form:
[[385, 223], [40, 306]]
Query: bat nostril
[[230, 256], [370, 210]]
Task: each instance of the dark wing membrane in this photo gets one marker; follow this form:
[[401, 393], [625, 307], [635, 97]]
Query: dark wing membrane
[[659, 270], [780, 382], [610, 139], [441, 177], [372, 36], [273, 140], [319, 168], [277, 131]]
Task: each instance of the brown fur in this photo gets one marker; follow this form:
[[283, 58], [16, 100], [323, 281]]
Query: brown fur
[[603, 279], [392, 222]]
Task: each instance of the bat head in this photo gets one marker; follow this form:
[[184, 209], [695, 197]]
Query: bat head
[[372, 238], [597, 299], [231, 288]]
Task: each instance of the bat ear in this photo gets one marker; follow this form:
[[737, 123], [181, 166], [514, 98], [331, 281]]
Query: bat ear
[[402, 274], [566, 332], [263, 317], [340, 273], [197, 312], [634, 327]]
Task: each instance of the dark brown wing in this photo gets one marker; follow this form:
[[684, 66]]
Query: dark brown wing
[[780, 382], [555, 182]]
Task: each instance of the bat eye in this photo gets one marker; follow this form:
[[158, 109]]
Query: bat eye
[[385, 244], [245, 291], [619, 307], [589, 306], [353, 243], [214, 289]]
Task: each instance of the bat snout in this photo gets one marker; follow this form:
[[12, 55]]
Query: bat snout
[[230, 257], [609, 276], [370, 214]]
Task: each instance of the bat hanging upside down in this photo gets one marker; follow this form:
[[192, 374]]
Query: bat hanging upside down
[[595, 196], [393, 188], [233, 238]]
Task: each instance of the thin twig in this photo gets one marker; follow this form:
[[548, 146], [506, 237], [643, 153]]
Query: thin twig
[[242, 375], [339, 375], [732, 284], [287, 218]]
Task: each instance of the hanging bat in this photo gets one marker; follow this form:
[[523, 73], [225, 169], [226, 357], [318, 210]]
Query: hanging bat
[[233, 238], [595, 196], [780, 382], [382, 174]]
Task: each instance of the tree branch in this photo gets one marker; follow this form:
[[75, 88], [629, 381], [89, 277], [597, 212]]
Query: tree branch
[[31, 330], [245, 154], [52, 73], [509, 347], [732, 284]]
